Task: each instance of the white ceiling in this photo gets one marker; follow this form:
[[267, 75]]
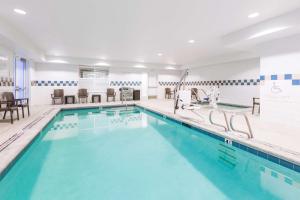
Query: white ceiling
[[136, 30]]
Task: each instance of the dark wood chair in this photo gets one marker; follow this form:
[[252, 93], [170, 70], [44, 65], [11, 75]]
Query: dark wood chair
[[168, 93], [58, 94], [20, 103], [256, 102], [83, 94], [9, 106], [194, 93], [110, 93]]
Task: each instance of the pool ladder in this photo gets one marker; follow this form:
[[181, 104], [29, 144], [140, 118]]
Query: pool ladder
[[229, 126], [124, 97]]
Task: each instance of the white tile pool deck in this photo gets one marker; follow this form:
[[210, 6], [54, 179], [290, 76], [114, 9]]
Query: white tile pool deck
[[272, 138]]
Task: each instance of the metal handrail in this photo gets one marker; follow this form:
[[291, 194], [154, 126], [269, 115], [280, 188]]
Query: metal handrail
[[220, 125], [250, 133], [123, 97]]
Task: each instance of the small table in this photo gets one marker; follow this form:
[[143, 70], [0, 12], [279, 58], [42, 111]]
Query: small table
[[96, 98], [70, 99], [136, 95]]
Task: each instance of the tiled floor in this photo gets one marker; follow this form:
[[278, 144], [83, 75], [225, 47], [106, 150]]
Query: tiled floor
[[267, 136]]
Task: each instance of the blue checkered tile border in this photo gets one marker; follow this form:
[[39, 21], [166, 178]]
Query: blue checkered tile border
[[242, 82], [54, 83], [123, 120], [6, 82], [293, 78], [64, 126], [125, 83]]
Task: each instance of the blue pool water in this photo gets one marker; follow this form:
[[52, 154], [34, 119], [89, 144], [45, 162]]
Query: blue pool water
[[112, 154]]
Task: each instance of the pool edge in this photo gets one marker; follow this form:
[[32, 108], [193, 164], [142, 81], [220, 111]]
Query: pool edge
[[271, 156]]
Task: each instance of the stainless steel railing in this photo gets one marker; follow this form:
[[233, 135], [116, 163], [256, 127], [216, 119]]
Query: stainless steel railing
[[230, 126], [124, 97], [249, 133], [217, 124]]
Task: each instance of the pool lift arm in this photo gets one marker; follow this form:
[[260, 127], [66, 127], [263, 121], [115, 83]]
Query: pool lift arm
[[177, 88]]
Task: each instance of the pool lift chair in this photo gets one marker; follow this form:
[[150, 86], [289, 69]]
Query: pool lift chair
[[197, 99], [183, 97]]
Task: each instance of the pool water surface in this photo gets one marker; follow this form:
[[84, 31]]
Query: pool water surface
[[114, 154]]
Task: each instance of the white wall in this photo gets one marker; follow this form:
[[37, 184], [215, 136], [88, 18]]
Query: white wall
[[167, 76], [64, 72], [280, 99], [136, 75], [51, 72], [233, 94], [6, 68]]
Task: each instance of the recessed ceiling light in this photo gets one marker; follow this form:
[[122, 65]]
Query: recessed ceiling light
[[58, 61], [160, 54], [253, 15], [191, 41], [3, 58], [19, 11], [103, 58], [267, 32], [140, 66], [102, 64], [170, 68]]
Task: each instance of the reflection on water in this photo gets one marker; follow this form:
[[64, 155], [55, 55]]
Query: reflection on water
[[92, 120]]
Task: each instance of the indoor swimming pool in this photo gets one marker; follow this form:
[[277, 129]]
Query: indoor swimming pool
[[119, 153]]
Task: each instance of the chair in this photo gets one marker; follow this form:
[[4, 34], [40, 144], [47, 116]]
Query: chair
[[58, 94], [9, 107], [194, 92], [110, 93], [83, 94], [20, 103], [168, 93], [256, 102]]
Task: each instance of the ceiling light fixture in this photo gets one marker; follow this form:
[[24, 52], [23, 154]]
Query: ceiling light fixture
[[19, 11], [160, 54], [3, 58], [253, 15], [58, 61], [104, 64], [140, 66], [267, 32], [191, 41], [170, 68]]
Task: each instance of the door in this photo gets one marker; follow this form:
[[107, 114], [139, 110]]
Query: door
[[21, 78]]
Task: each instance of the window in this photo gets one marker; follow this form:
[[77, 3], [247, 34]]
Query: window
[[93, 79], [92, 73]]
